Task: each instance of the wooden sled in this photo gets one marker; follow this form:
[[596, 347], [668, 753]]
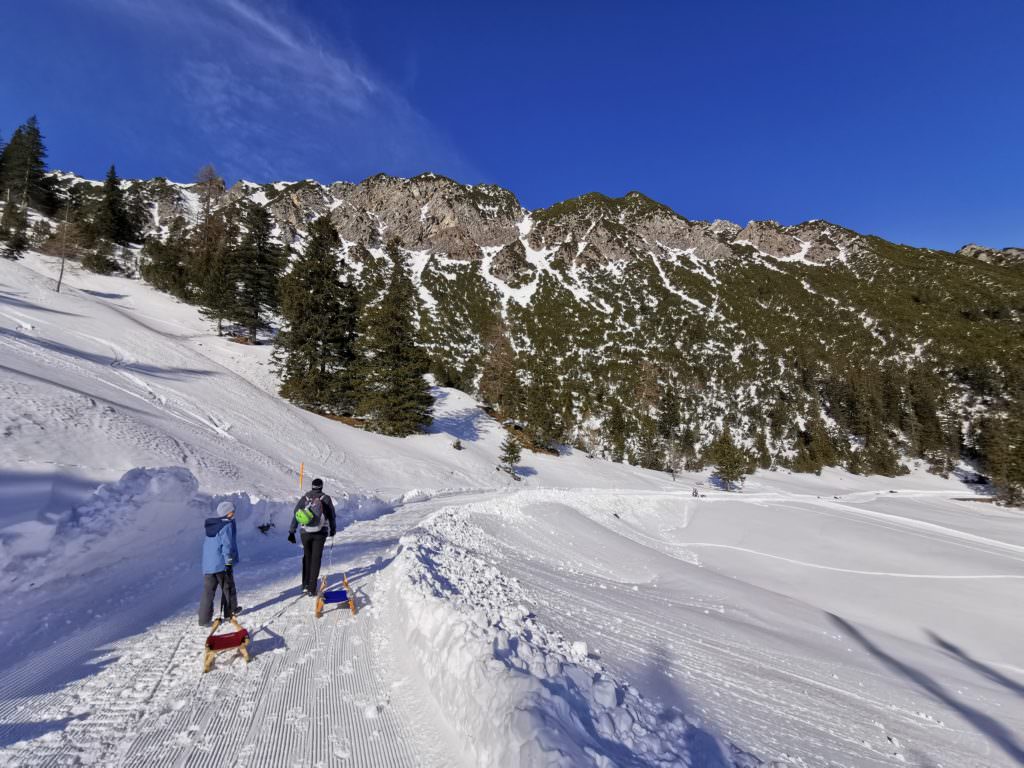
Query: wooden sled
[[229, 641], [334, 596]]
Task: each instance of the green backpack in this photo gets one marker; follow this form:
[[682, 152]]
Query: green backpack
[[312, 515]]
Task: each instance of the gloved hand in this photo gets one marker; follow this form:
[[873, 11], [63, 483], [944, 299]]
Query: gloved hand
[[291, 537], [229, 562], [331, 534], [227, 568]]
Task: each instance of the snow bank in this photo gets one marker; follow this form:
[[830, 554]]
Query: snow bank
[[142, 513], [518, 693], [148, 513]]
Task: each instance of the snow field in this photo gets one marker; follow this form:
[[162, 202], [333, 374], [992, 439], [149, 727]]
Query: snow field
[[519, 693]]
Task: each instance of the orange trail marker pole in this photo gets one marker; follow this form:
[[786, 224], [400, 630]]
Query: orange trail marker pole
[[302, 468]]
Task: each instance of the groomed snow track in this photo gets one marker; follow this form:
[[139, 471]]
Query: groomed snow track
[[310, 696]]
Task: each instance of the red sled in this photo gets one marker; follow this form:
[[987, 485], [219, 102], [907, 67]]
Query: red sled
[[229, 641]]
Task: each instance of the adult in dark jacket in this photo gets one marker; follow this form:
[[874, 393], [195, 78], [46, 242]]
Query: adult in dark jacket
[[314, 536], [220, 553]]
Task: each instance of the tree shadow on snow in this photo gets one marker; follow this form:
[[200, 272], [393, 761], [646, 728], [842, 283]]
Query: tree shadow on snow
[[658, 683], [984, 724], [107, 360], [982, 669], [11, 733], [104, 295], [50, 383], [459, 424], [12, 300]]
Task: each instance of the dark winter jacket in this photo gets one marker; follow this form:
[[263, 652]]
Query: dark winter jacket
[[328, 506], [220, 547]]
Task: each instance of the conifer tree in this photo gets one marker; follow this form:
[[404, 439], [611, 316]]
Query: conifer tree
[[208, 237], [13, 231], [24, 168], [542, 412], [111, 221], [314, 351], [1002, 440], [668, 413], [730, 460], [649, 453], [879, 457], [499, 380], [761, 452], [822, 451], [615, 431], [511, 453], [257, 263], [165, 264], [392, 392], [216, 291]]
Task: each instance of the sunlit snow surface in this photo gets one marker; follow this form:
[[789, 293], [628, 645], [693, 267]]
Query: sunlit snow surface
[[589, 614]]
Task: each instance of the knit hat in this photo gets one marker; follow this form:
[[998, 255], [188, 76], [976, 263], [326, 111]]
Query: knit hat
[[318, 484], [224, 507]]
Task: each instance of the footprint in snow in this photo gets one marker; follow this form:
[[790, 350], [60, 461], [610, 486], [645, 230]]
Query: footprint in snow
[[341, 746]]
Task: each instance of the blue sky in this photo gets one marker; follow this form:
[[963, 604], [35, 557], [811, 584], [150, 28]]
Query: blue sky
[[898, 118]]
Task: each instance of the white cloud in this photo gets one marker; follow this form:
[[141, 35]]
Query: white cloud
[[273, 98]]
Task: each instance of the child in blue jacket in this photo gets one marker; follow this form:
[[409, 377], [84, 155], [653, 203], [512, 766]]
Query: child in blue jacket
[[220, 553]]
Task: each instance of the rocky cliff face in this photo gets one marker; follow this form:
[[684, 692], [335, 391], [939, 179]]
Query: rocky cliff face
[[993, 255], [437, 215]]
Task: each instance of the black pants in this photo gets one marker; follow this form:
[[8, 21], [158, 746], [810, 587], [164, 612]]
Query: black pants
[[228, 597], [312, 552]]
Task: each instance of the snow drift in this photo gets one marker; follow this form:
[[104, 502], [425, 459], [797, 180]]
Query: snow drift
[[520, 694]]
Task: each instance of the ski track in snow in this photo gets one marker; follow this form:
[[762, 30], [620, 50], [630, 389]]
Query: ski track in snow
[[311, 695]]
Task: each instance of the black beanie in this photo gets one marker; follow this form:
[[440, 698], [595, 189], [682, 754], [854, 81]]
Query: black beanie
[[318, 484]]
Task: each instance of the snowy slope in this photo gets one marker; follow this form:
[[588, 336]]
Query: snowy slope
[[592, 614]]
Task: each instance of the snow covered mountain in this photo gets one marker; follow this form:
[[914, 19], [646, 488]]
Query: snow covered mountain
[[593, 614], [814, 344]]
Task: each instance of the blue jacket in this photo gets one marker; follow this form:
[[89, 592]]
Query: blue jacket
[[220, 549]]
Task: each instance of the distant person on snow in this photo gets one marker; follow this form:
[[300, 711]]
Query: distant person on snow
[[314, 513], [220, 553]]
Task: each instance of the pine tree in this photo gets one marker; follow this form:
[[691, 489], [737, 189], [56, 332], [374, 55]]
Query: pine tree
[[216, 291], [14, 231], [1002, 440], [499, 380], [24, 168], [730, 460], [165, 264], [111, 221], [668, 413], [208, 235], [879, 457], [761, 452], [393, 394], [314, 350], [649, 445], [257, 263], [822, 451], [615, 431], [511, 453], [543, 406]]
